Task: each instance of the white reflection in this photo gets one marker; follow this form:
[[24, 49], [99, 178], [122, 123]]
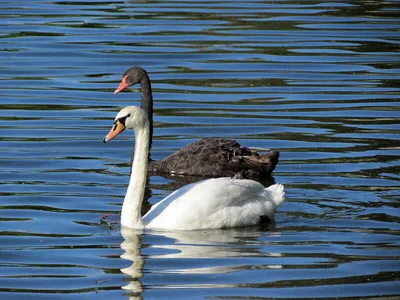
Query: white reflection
[[202, 244], [132, 245]]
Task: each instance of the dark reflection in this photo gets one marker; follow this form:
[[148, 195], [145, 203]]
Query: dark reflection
[[381, 217], [146, 205], [176, 181]]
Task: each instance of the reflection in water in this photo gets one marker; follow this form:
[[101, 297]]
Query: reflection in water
[[198, 244], [132, 245]]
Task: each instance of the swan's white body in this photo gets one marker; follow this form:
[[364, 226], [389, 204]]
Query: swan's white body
[[213, 203]]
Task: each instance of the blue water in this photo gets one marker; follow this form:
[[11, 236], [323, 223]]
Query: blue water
[[316, 80]]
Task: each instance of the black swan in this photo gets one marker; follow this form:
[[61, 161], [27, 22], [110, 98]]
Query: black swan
[[207, 157]]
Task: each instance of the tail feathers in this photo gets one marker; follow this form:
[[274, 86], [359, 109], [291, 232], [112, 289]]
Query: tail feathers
[[277, 193], [264, 163], [271, 160]]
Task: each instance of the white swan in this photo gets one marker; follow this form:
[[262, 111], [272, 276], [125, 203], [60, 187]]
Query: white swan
[[213, 203]]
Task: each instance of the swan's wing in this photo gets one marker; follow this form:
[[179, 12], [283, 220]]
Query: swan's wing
[[198, 201], [215, 157], [161, 206], [205, 157]]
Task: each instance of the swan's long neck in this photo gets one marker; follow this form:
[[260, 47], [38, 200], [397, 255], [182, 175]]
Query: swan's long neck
[[130, 215], [147, 103]]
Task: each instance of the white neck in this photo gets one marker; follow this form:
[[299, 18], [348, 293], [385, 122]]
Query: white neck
[[130, 215]]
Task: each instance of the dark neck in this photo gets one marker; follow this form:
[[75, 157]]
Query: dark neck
[[147, 103]]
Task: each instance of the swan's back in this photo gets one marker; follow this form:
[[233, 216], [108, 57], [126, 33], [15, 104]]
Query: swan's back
[[215, 157], [215, 203]]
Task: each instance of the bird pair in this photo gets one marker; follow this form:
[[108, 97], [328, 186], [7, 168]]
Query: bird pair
[[209, 204]]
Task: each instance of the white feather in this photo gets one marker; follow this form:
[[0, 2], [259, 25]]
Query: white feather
[[215, 203]]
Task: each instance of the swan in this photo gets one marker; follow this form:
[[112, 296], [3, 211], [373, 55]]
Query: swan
[[208, 157], [212, 203]]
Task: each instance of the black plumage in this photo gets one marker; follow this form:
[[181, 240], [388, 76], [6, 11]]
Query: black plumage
[[207, 157]]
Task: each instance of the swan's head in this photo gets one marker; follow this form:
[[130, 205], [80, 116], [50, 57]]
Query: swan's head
[[130, 117], [131, 76]]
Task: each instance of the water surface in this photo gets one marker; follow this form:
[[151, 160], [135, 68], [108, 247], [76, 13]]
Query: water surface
[[317, 80]]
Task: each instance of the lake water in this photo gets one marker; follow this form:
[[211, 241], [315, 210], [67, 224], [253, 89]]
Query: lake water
[[317, 80]]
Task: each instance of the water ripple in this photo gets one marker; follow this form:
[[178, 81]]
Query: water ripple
[[317, 80]]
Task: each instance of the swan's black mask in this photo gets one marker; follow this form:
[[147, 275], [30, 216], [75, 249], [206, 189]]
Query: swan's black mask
[[121, 120], [118, 127]]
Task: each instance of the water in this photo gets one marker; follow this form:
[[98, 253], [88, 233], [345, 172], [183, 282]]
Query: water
[[318, 80]]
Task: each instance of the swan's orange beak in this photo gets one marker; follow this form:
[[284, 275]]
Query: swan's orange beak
[[121, 86], [115, 130]]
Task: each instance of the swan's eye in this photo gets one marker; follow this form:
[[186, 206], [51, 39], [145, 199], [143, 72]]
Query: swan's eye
[[122, 120]]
